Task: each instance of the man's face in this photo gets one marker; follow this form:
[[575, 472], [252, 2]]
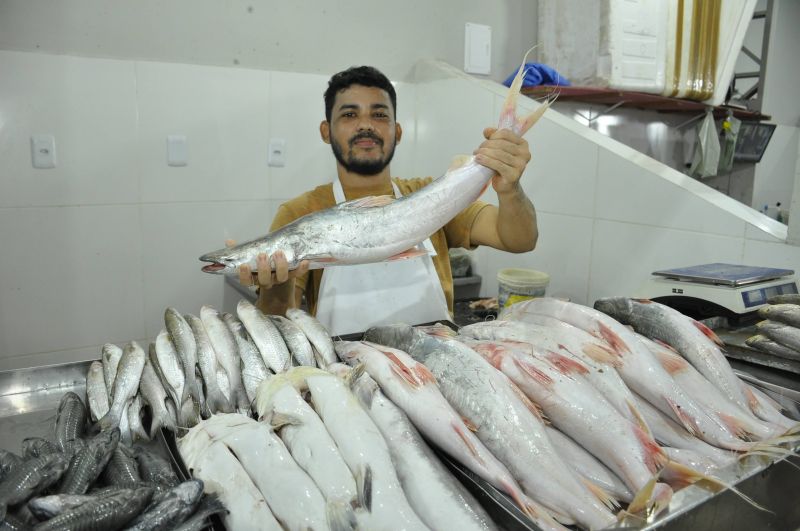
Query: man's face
[[362, 131]]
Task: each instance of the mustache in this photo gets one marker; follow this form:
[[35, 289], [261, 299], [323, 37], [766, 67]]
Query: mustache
[[366, 135]]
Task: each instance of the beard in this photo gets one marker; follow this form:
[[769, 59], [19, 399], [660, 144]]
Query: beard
[[360, 166]]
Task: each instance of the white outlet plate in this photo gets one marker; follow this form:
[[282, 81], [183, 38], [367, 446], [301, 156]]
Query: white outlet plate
[[177, 152], [43, 151], [277, 153]]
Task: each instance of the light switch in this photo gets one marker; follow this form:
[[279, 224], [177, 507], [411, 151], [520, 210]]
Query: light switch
[[177, 153], [277, 152], [477, 48], [43, 151]]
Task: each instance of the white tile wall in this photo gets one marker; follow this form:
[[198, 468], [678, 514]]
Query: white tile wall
[[624, 255], [87, 105], [174, 237], [627, 192], [563, 251], [224, 114], [772, 255], [72, 277]]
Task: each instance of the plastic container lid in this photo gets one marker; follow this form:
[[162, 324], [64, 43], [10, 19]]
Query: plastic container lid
[[523, 278]]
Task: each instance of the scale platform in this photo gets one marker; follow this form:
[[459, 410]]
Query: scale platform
[[711, 290]]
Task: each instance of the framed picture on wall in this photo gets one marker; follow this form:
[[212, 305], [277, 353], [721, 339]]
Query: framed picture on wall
[[752, 141]]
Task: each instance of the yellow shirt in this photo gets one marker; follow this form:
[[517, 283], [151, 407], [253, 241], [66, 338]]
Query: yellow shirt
[[455, 234]]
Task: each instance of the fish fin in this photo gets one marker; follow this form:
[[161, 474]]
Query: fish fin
[[637, 416], [279, 420], [369, 202], [399, 368], [613, 339], [458, 161], [733, 424], [605, 498], [642, 498], [685, 419], [672, 363], [602, 355], [681, 476], [364, 487], [467, 442], [752, 400], [469, 424], [666, 345], [409, 253], [340, 516], [654, 456], [566, 365], [424, 374], [533, 372], [708, 333], [527, 402]]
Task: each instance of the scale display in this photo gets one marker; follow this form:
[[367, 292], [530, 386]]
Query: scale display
[[759, 296]]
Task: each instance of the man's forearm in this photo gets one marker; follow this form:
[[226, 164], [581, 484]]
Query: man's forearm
[[516, 221], [277, 299]]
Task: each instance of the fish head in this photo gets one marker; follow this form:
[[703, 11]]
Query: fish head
[[617, 307], [225, 261]]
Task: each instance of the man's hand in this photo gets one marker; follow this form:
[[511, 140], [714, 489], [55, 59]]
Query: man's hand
[[507, 154], [264, 276]]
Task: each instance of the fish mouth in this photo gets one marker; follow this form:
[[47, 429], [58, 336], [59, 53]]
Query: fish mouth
[[216, 267]]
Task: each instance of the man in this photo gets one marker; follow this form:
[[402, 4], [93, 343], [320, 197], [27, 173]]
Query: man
[[360, 126]]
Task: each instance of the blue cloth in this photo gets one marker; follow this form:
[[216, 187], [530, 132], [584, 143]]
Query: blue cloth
[[538, 74]]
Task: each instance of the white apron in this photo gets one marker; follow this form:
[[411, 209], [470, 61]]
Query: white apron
[[353, 298]]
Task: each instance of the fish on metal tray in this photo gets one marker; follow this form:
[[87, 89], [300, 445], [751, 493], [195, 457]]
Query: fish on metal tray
[[122, 469], [126, 383], [168, 366], [96, 391], [153, 393], [265, 335], [135, 406], [106, 512], [31, 477], [227, 354], [8, 462], [209, 505], [375, 229], [781, 333], [47, 507], [280, 405], [88, 463], [186, 347], [111, 354], [215, 400], [296, 340], [170, 508], [254, 370], [783, 313], [434, 493], [37, 447], [788, 298], [70, 419], [155, 469], [317, 334]]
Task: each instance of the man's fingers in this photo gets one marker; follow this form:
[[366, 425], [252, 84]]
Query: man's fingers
[[245, 278], [281, 267], [264, 271], [301, 270]]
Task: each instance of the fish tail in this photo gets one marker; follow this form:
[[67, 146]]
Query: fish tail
[[654, 456], [508, 115], [637, 416], [109, 421], [364, 488], [653, 497], [540, 515], [605, 498], [680, 476], [684, 418], [340, 516]]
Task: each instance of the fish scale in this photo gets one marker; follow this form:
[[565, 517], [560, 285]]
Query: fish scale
[[265, 335], [32, 476], [186, 347], [88, 463], [227, 355], [170, 508], [296, 340], [108, 512], [70, 419], [126, 383], [154, 468], [122, 469], [206, 359], [254, 370]]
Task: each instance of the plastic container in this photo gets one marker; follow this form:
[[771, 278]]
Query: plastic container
[[515, 285]]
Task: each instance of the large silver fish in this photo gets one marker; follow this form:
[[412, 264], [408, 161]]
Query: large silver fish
[[126, 383], [374, 229]]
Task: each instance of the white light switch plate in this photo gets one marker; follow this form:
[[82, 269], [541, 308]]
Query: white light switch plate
[[177, 152], [477, 48], [43, 151], [277, 152]]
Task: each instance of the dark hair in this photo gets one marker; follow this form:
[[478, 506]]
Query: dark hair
[[366, 76]]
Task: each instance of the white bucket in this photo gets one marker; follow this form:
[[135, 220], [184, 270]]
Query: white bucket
[[515, 285]]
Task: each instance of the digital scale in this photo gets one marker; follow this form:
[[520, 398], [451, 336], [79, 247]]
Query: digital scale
[[712, 290]]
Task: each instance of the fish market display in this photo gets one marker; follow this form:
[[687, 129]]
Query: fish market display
[[85, 479]]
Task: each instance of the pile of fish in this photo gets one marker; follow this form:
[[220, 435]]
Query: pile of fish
[[779, 333], [82, 480], [560, 406], [198, 366]]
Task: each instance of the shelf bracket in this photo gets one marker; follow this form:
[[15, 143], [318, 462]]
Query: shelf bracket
[[590, 119]]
